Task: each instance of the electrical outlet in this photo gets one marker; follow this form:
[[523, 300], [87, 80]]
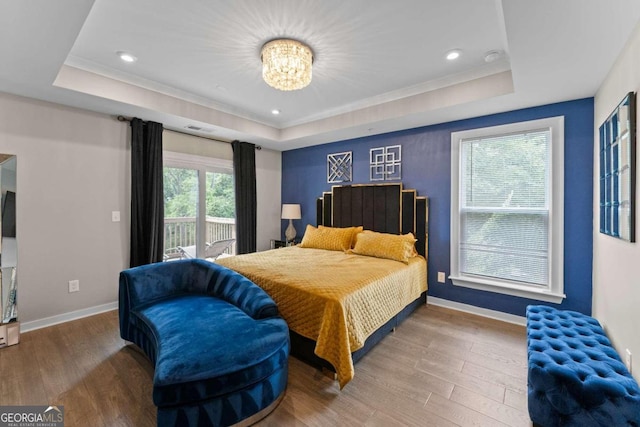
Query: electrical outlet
[[627, 359], [74, 286], [441, 277]]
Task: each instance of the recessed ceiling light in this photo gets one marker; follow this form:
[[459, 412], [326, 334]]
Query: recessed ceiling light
[[126, 56], [275, 111], [453, 54], [492, 55]]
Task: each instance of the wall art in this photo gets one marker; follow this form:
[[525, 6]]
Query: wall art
[[385, 163], [339, 167], [618, 171]]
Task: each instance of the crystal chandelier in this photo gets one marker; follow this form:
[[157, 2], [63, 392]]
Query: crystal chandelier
[[286, 64]]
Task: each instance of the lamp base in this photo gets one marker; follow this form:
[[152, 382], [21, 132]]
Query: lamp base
[[290, 232]]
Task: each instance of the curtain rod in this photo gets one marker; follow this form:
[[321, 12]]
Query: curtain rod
[[127, 119]]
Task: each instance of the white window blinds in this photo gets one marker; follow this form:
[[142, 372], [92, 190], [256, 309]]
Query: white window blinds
[[504, 207]]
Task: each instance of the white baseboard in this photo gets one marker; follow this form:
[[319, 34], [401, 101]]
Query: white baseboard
[[67, 317], [484, 312], [85, 312]]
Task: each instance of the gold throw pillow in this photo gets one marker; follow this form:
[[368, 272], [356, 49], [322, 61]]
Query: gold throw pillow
[[329, 238], [385, 245]]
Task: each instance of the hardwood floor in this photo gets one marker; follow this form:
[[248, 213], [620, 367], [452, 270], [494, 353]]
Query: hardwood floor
[[440, 368]]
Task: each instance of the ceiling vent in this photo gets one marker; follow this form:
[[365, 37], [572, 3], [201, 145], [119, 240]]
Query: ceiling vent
[[199, 129]]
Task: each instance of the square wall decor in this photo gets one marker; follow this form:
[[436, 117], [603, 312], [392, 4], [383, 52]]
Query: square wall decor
[[339, 167], [618, 171], [385, 163]]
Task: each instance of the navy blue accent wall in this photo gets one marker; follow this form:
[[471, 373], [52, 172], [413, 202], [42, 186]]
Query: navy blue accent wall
[[426, 166]]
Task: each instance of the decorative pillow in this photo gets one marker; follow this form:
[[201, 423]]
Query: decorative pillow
[[329, 238], [354, 232], [384, 245]]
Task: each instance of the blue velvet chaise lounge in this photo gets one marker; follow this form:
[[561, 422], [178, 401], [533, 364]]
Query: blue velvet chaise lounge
[[219, 347]]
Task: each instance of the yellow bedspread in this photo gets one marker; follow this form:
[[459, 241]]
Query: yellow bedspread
[[334, 298]]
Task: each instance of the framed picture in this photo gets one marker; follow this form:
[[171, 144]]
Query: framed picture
[[618, 171]]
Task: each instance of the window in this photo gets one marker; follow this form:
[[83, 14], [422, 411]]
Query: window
[[199, 205], [507, 209]]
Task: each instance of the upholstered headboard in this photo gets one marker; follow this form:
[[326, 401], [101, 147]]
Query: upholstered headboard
[[385, 208]]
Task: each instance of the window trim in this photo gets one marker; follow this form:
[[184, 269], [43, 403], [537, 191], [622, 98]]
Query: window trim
[[554, 292]]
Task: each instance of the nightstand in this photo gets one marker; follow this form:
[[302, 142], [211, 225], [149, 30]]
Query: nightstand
[[276, 244]]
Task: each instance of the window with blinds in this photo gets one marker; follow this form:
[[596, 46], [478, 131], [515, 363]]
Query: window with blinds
[[504, 209], [506, 216]]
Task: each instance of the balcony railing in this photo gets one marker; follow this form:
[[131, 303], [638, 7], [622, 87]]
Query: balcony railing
[[182, 232]]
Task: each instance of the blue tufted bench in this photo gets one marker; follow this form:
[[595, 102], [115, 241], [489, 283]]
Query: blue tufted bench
[[575, 376], [219, 347]]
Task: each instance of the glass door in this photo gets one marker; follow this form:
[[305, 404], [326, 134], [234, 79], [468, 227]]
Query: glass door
[[180, 212], [199, 208], [220, 227]]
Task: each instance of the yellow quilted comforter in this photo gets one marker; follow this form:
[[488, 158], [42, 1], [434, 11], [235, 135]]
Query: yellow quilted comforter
[[334, 298]]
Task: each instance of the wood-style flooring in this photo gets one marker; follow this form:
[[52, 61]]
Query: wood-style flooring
[[439, 368]]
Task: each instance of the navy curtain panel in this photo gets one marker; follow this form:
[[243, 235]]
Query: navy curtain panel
[[147, 200], [244, 172]]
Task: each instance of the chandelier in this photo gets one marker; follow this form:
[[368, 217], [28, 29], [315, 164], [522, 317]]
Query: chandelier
[[286, 64]]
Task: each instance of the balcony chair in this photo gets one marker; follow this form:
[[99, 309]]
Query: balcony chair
[[211, 252]]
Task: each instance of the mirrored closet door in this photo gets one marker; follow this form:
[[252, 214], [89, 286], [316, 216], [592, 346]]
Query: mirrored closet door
[[9, 325]]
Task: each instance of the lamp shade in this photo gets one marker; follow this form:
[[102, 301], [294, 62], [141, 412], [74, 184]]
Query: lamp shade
[[291, 211]]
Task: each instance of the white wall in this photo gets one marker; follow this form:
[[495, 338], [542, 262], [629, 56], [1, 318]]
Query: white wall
[[73, 170], [616, 264], [268, 176]]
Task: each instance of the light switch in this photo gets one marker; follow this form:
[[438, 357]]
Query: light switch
[[115, 216]]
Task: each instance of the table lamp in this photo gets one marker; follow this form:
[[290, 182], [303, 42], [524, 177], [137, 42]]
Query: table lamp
[[290, 212]]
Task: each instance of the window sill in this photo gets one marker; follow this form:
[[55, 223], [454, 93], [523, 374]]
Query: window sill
[[508, 289]]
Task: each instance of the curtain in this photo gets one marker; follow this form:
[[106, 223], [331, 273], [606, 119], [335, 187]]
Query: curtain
[[244, 171], [147, 201]]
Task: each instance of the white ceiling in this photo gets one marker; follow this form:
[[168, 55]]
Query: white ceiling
[[379, 66]]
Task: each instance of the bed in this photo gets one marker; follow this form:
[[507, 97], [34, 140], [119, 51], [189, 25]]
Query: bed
[[339, 304]]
